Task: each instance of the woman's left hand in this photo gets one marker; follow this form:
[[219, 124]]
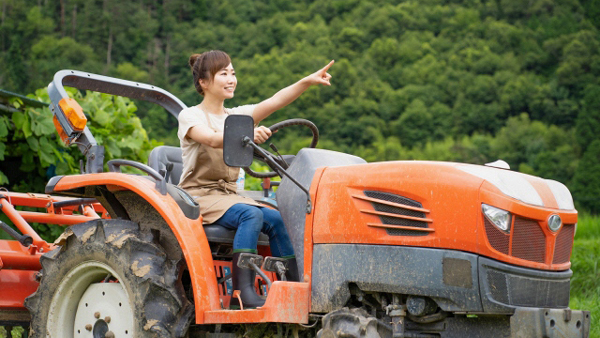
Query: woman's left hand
[[321, 76], [261, 134]]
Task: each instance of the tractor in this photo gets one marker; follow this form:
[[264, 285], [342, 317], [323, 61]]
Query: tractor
[[411, 249]]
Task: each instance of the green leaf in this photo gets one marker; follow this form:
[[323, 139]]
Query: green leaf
[[27, 165], [3, 127], [114, 150], [46, 152], [101, 117], [45, 126], [33, 143], [121, 106], [18, 119], [26, 128], [3, 178], [2, 150]]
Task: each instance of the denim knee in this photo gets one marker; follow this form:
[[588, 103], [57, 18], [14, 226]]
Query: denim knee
[[251, 214]]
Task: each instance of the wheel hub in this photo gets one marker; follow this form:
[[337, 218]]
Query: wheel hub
[[103, 312], [100, 329]]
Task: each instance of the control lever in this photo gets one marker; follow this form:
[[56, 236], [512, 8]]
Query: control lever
[[282, 162], [277, 265], [252, 261]]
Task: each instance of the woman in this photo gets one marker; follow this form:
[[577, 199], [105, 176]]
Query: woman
[[213, 184]]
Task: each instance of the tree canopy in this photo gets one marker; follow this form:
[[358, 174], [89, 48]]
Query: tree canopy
[[456, 80]]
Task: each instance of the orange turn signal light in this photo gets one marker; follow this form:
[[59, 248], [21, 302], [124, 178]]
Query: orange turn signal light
[[61, 132], [73, 113]]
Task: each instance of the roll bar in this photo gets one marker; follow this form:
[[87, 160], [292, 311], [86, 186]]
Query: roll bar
[[85, 141]]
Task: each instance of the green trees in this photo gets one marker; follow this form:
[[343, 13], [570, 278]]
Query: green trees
[[587, 180], [411, 79]]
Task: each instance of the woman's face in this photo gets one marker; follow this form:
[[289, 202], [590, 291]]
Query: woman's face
[[223, 84]]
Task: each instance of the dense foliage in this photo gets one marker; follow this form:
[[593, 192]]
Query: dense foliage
[[31, 152], [459, 80]]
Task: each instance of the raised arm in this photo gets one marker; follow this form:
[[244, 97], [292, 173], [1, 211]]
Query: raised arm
[[288, 94]]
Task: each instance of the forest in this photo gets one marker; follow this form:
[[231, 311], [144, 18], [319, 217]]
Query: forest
[[452, 80]]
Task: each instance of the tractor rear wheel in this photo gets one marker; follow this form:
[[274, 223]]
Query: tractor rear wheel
[[109, 279], [354, 323]]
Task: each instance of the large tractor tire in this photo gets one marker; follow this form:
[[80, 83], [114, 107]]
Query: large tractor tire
[[352, 323], [109, 279]]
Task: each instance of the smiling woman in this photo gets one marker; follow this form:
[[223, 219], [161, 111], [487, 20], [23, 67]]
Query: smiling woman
[[212, 183]]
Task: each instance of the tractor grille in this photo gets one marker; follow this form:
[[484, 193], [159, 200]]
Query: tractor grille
[[564, 244], [398, 210], [498, 239], [525, 291], [529, 241]]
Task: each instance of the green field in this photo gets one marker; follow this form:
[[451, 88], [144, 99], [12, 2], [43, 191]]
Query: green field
[[585, 285]]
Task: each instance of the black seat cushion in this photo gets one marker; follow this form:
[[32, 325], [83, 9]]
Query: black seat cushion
[[159, 158], [219, 234]]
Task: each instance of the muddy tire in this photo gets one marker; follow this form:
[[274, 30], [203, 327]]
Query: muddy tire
[[352, 323], [108, 276]]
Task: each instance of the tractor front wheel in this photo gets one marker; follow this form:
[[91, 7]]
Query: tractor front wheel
[[109, 279]]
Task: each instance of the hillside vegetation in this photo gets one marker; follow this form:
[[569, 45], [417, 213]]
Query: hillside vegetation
[[462, 80]]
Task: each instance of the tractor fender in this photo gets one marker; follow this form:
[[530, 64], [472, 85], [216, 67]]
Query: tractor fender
[[136, 197]]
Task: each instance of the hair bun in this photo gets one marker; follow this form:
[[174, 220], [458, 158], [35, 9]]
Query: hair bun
[[194, 58]]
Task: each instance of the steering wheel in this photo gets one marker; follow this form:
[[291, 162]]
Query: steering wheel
[[276, 127]]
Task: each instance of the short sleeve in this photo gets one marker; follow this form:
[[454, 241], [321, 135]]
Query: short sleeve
[[243, 110], [187, 119]]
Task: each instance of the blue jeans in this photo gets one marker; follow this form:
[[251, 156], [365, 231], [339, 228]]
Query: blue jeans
[[249, 221]]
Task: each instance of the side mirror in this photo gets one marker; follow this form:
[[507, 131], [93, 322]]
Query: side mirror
[[236, 150]]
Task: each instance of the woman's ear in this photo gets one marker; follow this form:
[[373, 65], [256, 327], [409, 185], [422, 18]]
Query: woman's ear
[[203, 84]]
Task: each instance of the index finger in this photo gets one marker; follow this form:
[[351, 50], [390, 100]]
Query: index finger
[[328, 65]]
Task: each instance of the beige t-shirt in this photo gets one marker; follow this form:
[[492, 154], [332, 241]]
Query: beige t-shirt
[[193, 116]]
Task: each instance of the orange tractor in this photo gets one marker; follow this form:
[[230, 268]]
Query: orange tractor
[[389, 249]]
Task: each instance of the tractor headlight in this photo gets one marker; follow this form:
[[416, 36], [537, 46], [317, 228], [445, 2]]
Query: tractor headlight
[[499, 218]]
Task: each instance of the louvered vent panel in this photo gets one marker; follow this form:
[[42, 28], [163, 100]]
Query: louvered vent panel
[[384, 196]]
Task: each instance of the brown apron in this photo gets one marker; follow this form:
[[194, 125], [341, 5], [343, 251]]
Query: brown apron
[[212, 183]]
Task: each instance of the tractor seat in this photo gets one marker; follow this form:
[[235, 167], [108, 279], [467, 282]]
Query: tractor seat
[[160, 158]]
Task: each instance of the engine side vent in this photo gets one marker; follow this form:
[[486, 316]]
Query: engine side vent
[[410, 213], [392, 198], [403, 232], [564, 244]]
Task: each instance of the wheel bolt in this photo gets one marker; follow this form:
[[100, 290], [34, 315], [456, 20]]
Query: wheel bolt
[[107, 319], [109, 334], [97, 315], [88, 327]]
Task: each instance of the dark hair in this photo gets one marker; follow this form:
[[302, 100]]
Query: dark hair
[[206, 65]]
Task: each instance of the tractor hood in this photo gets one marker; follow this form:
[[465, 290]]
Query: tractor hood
[[526, 188]]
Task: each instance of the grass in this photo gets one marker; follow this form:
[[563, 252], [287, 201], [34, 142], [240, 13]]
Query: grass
[[585, 283]]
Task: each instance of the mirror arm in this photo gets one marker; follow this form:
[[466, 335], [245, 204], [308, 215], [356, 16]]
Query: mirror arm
[[271, 161]]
